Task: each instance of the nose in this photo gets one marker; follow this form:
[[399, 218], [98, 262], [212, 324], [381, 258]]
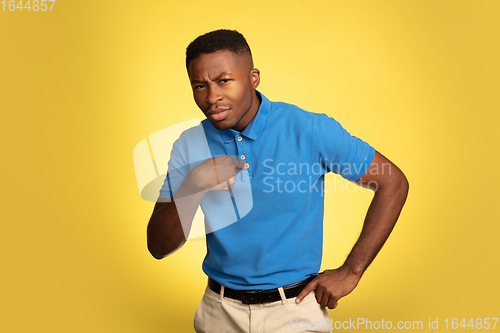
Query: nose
[[213, 95]]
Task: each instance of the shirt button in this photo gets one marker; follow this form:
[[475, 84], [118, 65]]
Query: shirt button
[[242, 157], [240, 138]]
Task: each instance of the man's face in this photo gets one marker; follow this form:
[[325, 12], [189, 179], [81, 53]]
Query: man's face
[[224, 88]]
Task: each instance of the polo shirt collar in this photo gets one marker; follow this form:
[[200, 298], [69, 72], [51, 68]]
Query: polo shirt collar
[[254, 128]]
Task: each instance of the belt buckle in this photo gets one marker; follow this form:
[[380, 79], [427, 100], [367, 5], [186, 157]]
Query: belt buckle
[[248, 298]]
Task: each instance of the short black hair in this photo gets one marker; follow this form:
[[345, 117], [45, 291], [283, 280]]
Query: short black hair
[[218, 40]]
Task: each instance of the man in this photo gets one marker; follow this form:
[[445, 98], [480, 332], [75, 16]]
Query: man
[[263, 268]]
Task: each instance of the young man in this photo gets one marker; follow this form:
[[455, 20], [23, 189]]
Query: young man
[[263, 265]]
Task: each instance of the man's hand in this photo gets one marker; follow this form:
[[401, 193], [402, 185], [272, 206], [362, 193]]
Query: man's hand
[[216, 174], [331, 285], [170, 223]]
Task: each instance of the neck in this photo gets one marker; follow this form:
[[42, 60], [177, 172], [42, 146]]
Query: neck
[[250, 114]]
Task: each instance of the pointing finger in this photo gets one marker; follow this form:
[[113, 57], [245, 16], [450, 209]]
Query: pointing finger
[[307, 289], [240, 164]]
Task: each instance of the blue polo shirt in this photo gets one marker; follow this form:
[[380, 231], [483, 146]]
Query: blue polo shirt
[[273, 235]]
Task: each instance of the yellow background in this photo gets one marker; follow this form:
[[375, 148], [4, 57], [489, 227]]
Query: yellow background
[[82, 85]]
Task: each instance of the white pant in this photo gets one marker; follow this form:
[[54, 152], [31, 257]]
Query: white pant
[[217, 314]]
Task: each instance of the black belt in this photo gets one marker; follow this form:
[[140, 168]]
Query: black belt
[[260, 296]]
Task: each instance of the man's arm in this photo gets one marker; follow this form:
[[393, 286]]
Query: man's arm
[[391, 189], [170, 223], [166, 232]]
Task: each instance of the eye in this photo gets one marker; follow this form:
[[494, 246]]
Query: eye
[[199, 86], [224, 81]]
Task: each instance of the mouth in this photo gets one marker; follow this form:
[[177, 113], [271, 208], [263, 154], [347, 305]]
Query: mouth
[[218, 114]]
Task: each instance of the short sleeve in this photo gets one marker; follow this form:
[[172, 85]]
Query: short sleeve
[[340, 152], [188, 151], [176, 173]]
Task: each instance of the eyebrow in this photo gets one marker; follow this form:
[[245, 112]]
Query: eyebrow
[[218, 77]]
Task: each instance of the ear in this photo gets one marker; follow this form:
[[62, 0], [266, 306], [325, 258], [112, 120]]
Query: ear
[[254, 78]]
